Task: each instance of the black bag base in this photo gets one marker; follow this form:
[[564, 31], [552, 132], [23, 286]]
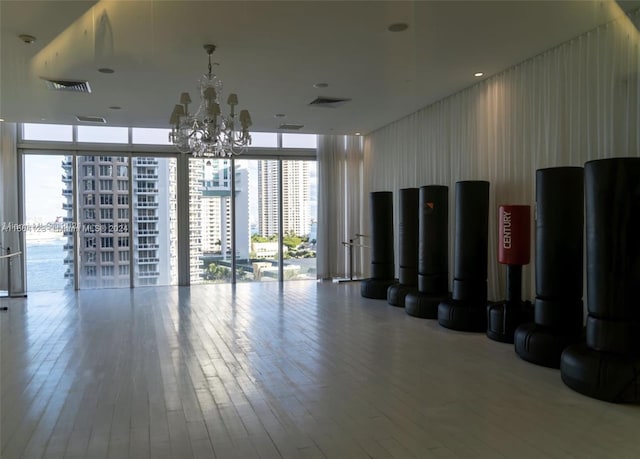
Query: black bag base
[[423, 305], [498, 327], [541, 345], [463, 315], [504, 317], [397, 293], [375, 289], [602, 375]]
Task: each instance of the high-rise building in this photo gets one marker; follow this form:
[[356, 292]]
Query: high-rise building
[[111, 241], [216, 209], [296, 216], [268, 197], [196, 175]]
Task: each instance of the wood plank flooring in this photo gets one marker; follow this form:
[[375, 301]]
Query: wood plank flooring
[[309, 370]]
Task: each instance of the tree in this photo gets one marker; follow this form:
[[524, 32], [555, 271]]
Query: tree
[[255, 237], [291, 240], [215, 272]]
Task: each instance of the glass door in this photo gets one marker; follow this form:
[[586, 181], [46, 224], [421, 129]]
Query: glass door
[[299, 219]]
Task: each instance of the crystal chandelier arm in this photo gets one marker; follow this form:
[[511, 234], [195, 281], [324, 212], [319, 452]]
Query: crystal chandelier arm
[[174, 120]]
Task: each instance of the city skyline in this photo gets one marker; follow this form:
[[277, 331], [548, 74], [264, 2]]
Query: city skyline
[[99, 265]]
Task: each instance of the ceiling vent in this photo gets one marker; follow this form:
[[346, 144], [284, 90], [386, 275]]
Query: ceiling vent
[[330, 102], [68, 85], [91, 119], [291, 127]]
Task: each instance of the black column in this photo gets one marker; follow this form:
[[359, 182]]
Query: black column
[[408, 248], [607, 366], [559, 267], [433, 253], [382, 263], [466, 310]]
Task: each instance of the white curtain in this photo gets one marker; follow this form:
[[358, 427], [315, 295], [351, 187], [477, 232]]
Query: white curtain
[[10, 211], [576, 102], [340, 187]]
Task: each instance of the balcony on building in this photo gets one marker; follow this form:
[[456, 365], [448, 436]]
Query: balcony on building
[[147, 218]]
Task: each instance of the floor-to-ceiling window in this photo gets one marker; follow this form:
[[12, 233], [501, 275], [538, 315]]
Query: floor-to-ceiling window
[[118, 209], [210, 220], [257, 211], [126, 212], [114, 215], [48, 251], [154, 220]]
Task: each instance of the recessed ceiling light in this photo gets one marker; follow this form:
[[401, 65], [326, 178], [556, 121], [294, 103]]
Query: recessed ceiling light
[[398, 27], [115, 107], [321, 85], [1, 120], [106, 70], [28, 39], [357, 133], [478, 74], [279, 115]]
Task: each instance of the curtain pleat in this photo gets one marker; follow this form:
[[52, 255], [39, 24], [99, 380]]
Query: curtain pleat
[[574, 103], [10, 211], [340, 216]]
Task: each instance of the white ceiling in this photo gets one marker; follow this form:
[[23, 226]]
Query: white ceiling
[[271, 53]]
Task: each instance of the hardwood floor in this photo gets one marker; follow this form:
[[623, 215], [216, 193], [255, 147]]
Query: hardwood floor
[[310, 370]]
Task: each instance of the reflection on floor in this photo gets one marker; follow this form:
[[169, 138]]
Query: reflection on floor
[[307, 370]]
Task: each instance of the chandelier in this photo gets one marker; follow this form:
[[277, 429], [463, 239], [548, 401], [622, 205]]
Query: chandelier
[[207, 132]]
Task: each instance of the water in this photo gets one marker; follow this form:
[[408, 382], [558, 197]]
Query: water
[[45, 265]]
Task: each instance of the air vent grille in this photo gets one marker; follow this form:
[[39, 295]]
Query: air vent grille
[[291, 127], [68, 85], [90, 119], [330, 102]]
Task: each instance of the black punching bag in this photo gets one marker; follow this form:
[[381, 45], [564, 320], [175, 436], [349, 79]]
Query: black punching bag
[[382, 266], [467, 309], [607, 366], [433, 253], [559, 262], [408, 247]]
